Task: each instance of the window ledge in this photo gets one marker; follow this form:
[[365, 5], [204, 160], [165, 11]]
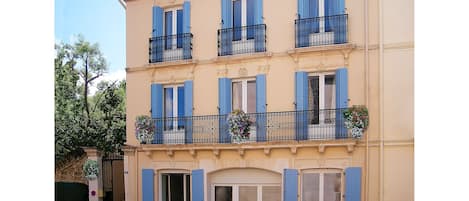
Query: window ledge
[[321, 145], [237, 57], [165, 64], [345, 46]]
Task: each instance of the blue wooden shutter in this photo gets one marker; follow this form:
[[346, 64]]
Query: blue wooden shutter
[[250, 17], [303, 26], [337, 23], [301, 100], [148, 193], [290, 185], [157, 44], [188, 87], [187, 45], [157, 111], [179, 28], [261, 108], [226, 34], [314, 13], [353, 177], [259, 31], [198, 185], [224, 101], [181, 106], [237, 16], [341, 101]]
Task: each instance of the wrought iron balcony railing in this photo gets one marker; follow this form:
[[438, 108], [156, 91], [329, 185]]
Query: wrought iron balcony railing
[[241, 40], [317, 31], [271, 126], [170, 48]]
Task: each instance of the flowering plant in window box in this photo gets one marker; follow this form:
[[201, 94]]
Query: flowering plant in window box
[[144, 129], [239, 126], [90, 169], [356, 120]]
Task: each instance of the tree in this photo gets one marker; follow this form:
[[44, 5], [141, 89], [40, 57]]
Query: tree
[[76, 124]]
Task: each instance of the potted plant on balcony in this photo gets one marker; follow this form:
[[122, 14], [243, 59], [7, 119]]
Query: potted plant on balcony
[[239, 126], [90, 169], [356, 120], [144, 129]]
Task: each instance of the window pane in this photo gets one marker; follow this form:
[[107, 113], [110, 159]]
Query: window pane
[[165, 187], [176, 187], [332, 187], [180, 107], [168, 107], [329, 98], [313, 98], [310, 187], [248, 193], [271, 193], [237, 96], [251, 97], [188, 188], [168, 27], [223, 193], [237, 20]]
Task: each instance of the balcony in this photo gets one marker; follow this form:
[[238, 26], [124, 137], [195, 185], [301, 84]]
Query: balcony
[[309, 125], [241, 40], [170, 48], [327, 30]]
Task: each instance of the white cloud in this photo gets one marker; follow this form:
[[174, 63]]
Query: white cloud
[[110, 77]]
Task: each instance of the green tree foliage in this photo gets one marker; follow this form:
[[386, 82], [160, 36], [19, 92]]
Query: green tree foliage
[[80, 119]]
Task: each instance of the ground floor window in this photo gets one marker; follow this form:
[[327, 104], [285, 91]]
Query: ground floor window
[[247, 192], [175, 187], [322, 185]]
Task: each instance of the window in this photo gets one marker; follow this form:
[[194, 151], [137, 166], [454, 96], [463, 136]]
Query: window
[[321, 98], [244, 95], [247, 192], [173, 107], [172, 26], [175, 187], [322, 185], [243, 15]]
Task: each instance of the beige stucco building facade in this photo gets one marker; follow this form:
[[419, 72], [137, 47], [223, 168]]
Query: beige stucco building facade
[[197, 84]]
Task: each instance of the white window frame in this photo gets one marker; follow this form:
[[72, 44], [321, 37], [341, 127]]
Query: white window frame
[[175, 104], [321, 13], [174, 26], [244, 18], [321, 173], [322, 84], [235, 189], [244, 92], [160, 182]]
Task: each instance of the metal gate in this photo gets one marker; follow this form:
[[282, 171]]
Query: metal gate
[[113, 177]]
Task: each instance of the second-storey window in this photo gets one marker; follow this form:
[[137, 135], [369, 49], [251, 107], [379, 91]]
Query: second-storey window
[[244, 95], [173, 26], [243, 15], [173, 107], [321, 100]]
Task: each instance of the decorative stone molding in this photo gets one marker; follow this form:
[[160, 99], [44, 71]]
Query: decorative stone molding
[[170, 153], [193, 153], [243, 72], [222, 71], [267, 151], [293, 150], [241, 152], [263, 69], [216, 152]]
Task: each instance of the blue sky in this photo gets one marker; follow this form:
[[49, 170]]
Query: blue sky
[[99, 21]]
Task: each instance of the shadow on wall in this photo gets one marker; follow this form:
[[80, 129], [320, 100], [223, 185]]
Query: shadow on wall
[[71, 191]]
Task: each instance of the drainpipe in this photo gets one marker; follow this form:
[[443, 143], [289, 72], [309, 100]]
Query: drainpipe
[[381, 100], [366, 83]]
